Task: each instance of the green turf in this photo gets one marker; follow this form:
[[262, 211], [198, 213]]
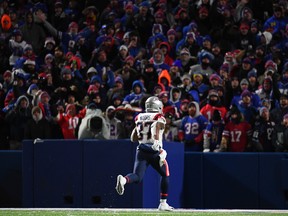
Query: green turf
[[128, 213]]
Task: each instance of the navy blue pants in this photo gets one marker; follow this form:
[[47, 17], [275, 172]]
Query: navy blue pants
[[142, 160]]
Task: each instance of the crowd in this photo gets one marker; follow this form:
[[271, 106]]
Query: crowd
[[74, 70]]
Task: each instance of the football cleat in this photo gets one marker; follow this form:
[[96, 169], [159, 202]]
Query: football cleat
[[120, 184], [163, 206]]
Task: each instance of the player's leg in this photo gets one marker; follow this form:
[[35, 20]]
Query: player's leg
[[140, 166], [164, 172]]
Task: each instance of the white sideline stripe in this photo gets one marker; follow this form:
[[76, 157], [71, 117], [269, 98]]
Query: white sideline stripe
[[145, 209]]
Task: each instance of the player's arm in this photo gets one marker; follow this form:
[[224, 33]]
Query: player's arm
[[134, 136], [158, 126], [157, 129]]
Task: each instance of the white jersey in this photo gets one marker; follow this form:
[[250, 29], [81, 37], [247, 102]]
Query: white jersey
[[144, 122]]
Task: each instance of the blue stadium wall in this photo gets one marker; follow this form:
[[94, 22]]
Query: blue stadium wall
[[71, 174]]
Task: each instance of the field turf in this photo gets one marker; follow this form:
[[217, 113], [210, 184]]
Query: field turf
[[133, 212]]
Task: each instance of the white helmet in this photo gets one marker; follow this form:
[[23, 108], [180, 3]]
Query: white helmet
[[153, 104]]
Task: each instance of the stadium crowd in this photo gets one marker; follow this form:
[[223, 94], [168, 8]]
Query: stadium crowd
[[83, 69]]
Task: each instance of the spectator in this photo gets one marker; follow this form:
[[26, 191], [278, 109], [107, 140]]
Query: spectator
[[236, 136], [137, 93], [201, 88], [278, 113], [262, 132], [17, 119], [157, 60], [68, 121], [185, 60], [113, 124], [276, 23], [59, 18], [175, 74], [246, 107], [93, 125], [192, 128], [280, 135], [143, 22], [16, 45], [33, 33], [171, 130], [118, 90], [119, 60], [37, 127], [213, 133], [204, 66], [213, 103], [150, 77], [270, 91]]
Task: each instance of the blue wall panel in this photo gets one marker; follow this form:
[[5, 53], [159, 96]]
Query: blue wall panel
[[58, 174], [10, 178], [273, 180], [62, 173], [28, 174], [230, 180], [102, 163], [193, 181]]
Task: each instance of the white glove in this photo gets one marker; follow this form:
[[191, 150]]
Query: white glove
[[162, 157], [156, 145], [206, 150]]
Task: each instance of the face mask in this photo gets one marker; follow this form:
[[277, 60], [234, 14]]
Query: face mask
[[205, 64]]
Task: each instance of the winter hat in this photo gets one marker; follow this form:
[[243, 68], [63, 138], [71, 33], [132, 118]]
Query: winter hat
[[92, 88], [262, 110], [49, 40], [36, 108], [73, 25], [285, 116], [31, 88], [185, 76], [95, 78], [69, 106], [245, 93], [49, 55], [145, 4], [185, 51], [159, 14], [268, 37], [66, 70], [29, 62], [6, 22], [91, 70], [28, 47], [213, 92], [244, 81], [44, 94], [7, 73], [225, 67], [214, 76], [247, 60], [190, 35], [123, 47], [284, 96], [171, 32], [163, 94], [119, 79], [197, 74], [252, 73]]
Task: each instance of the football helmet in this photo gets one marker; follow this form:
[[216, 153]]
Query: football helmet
[[153, 104]]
